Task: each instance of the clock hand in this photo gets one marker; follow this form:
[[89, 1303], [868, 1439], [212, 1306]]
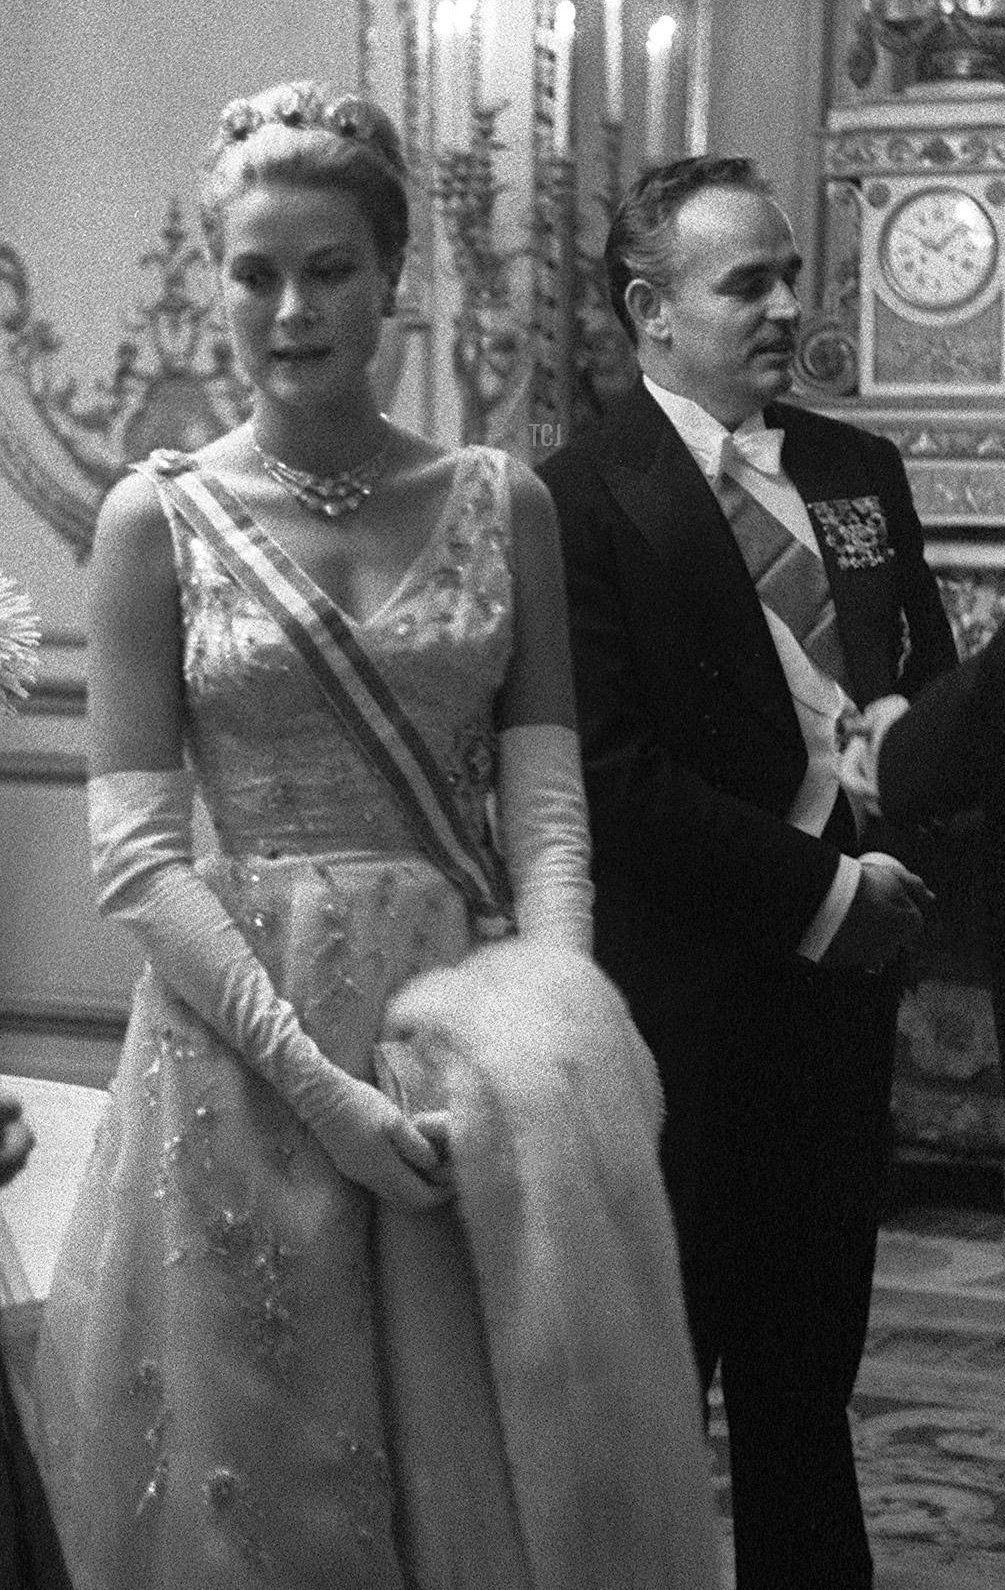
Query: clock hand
[[947, 237], [930, 244]]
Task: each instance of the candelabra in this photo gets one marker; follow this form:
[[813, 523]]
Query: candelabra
[[568, 282], [562, 356], [487, 342], [613, 139], [605, 365]]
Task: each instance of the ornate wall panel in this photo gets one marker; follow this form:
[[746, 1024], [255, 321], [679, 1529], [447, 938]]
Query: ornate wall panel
[[110, 343]]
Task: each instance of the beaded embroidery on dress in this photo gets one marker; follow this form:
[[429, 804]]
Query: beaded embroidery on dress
[[213, 1306]]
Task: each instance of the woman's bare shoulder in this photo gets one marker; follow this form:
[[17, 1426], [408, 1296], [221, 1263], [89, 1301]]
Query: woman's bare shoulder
[[133, 552], [131, 512]]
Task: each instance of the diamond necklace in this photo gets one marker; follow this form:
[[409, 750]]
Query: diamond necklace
[[332, 495]]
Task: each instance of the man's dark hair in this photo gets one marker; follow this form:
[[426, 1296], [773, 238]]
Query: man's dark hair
[[641, 238]]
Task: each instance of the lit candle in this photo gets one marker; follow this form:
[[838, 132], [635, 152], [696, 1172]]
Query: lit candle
[[613, 45], [488, 28], [464, 16], [562, 37], [658, 47], [445, 31]]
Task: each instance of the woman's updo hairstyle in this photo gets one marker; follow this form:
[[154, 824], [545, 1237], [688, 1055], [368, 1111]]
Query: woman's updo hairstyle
[[309, 135]]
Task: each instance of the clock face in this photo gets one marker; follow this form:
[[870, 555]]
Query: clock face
[[938, 249]]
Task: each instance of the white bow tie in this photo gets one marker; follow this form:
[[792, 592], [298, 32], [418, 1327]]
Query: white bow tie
[[762, 449]]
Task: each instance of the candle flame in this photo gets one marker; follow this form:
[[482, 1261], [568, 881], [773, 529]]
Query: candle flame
[[661, 35], [445, 20], [565, 19]]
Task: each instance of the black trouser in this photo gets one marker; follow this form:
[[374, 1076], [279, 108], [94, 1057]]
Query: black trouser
[[777, 1176]]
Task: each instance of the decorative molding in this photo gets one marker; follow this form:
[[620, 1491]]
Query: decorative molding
[[955, 462], [966, 354], [173, 385], [48, 768], [61, 698], [939, 436], [827, 359], [63, 1019], [855, 153], [68, 639], [945, 43], [61, 687], [945, 551], [974, 600], [826, 356], [965, 494], [54, 1040]]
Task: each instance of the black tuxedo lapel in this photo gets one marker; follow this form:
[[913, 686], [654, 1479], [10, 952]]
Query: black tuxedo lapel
[[660, 488], [865, 599]]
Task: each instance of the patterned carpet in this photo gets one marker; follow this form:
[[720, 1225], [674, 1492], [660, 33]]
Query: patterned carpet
[[929, 1408]]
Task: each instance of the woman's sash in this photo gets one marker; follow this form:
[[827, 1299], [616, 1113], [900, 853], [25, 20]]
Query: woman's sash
[[350, 681]]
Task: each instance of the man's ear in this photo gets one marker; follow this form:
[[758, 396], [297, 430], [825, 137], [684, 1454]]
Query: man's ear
[[649, 309]]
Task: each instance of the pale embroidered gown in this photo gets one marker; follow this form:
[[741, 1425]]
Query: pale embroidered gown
[[250, 1374]]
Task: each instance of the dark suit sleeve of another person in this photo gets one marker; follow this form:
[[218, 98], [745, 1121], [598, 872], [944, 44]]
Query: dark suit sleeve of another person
[[948, 753]]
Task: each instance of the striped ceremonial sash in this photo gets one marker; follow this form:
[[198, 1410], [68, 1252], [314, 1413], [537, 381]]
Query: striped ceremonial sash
[[352, 684], [790, 578]]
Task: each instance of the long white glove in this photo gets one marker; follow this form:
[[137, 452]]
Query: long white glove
[[141, 850], [545, 834]]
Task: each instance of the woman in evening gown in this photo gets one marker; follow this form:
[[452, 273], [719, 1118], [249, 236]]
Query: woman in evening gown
[[371, 1282]]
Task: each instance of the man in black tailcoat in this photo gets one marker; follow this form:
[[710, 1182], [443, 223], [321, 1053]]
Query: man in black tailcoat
[[740, 573]]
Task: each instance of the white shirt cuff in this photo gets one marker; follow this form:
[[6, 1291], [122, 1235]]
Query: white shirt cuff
[[816, 940]]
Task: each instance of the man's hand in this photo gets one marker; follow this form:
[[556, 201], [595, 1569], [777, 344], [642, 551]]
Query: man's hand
[[887, 913]]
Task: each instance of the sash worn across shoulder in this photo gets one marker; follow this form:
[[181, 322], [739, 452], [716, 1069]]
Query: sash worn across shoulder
[[352, 684]]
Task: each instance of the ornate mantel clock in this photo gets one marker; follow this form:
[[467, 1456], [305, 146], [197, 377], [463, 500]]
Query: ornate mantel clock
[[912, 334], [933, 261]]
